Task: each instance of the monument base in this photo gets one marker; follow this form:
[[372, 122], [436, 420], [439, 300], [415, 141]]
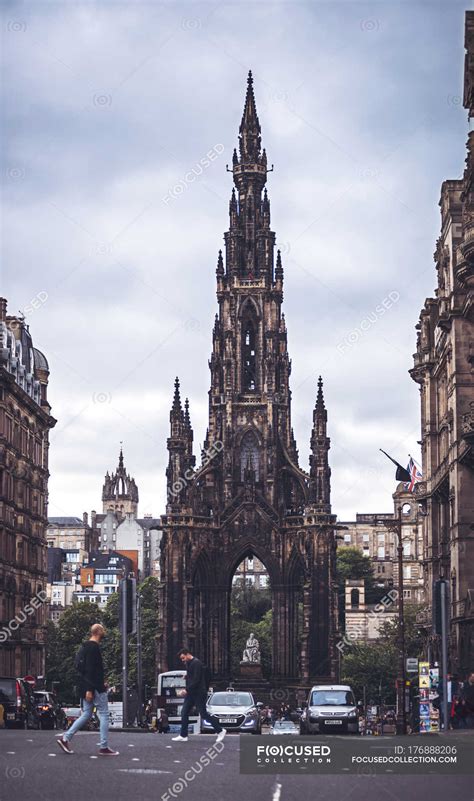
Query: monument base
[[251, 670]]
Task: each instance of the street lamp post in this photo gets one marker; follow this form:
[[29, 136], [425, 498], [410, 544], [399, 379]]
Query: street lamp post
[[396, 526]]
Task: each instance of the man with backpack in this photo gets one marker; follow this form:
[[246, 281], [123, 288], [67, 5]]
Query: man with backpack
[[93, 692], [197, 685]]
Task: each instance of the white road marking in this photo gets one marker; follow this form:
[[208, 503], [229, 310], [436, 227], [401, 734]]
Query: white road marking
[[168, 746], [11, 752], [135, 759], [177, 760], [94, 757], [276, 792], [131, 745], [29, 741], [143, 770], [52, 754]]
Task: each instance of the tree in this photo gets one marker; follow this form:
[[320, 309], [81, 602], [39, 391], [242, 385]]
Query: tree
[[351, 563], [251, 611], [249, 602], [372, 666], [63, 644], [375, 665], [414, 640], [73, 628]]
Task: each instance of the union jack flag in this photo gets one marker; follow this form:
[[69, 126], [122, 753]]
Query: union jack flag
[[415, 475]]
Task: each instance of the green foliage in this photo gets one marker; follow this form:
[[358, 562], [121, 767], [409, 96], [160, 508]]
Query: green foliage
[[351, 563], [251, 611], [64, 640], [375, 665], [413, 633], [250, 603], [63, 644]]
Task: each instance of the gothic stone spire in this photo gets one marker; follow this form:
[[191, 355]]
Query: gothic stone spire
[[319, 460]]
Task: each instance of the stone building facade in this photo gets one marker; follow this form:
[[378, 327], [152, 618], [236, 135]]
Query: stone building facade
[[25, 422], [71, 533], [444, 369], [249, 497], [370, 534]]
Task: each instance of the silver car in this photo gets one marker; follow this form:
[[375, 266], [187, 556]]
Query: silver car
[[284, 727], [331, 709], [236, 711]]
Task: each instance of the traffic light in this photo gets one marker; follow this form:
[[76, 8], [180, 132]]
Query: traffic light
[[129, 587]]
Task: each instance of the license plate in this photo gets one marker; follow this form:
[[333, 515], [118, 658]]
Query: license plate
[[11, 717], [228, 720], [333, 722]]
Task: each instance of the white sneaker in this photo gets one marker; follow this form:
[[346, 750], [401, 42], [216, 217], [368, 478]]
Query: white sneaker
[[180, 739], [221, 735]]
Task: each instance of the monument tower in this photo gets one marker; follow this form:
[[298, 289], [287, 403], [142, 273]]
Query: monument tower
[[249, 496]]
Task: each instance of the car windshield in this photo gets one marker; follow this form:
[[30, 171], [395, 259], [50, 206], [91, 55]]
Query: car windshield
[[42, 697], [173, 681], [332, 698], [7, 689], [231, 699]]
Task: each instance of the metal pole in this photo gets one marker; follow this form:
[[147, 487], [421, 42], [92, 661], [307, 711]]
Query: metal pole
[[139, 661], [401, 681], [444, 656], [123, 587]]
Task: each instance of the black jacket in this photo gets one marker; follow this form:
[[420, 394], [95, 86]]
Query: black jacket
[[195, 679], [93, 676]]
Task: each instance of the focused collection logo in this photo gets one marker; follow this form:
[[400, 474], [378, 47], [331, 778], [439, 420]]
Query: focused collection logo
[[290, 753]]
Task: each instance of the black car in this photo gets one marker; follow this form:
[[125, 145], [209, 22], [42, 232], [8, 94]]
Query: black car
[[19, 708], [50, 713]]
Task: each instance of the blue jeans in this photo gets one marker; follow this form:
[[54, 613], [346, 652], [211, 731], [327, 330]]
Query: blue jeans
[[102, 706]]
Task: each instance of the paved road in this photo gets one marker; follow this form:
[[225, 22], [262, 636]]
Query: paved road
[[32, 768]]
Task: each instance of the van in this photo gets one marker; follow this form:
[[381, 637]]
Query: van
[[19, 708], [330, 709]]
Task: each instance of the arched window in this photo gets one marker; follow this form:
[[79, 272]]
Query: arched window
[[249, 455], [354, 599], [249, 357]]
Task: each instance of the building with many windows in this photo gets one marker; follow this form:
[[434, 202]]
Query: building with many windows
[[71, 532], [444, 369], [25, 422], [371, 534], [100, 578]]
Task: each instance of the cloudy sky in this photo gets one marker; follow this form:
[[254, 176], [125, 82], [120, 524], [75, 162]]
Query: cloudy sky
[[108, 106]]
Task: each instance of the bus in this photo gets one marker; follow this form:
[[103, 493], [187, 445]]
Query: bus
[[171, 692]]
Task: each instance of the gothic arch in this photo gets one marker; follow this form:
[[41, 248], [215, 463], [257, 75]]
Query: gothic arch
[[249, 307], [250, 454], [248, 548]]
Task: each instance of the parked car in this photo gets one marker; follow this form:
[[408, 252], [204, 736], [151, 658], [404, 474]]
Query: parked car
[[284, 727], [50, 712], [330, 709], [237, 711], [19, 708], [73, 712]]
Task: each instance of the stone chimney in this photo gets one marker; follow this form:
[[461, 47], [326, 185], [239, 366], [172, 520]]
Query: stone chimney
[[3, 310]]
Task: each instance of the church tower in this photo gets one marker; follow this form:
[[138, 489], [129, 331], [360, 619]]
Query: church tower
[[249, 496], [120, 492]]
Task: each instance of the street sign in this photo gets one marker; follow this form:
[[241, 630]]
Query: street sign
[[412, 665]]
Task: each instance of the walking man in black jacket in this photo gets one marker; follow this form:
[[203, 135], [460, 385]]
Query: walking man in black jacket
[[196, 695], [93, 692]]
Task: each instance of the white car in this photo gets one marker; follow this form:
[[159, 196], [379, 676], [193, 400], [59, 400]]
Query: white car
[[331, 709], [284, 727]]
